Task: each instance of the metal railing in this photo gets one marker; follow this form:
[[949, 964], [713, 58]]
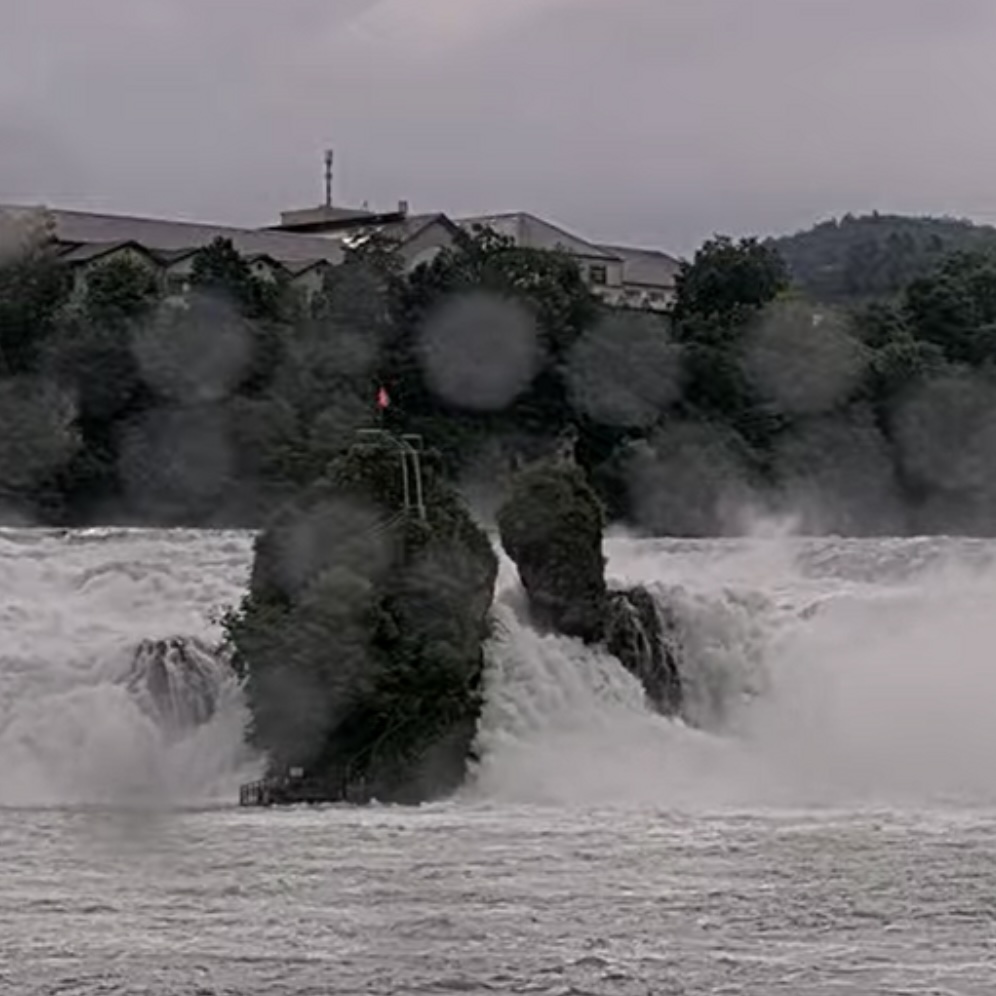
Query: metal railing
[[256, 793], [409, 448]]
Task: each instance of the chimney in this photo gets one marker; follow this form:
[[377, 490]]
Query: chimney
[[403, 207]]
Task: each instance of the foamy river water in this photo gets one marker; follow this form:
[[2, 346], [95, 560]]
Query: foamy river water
[[832, 830]]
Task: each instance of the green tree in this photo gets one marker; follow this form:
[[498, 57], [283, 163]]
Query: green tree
[[550, 283], [874, 257], [551, 289], [90, 352], [955, 309], [91, 355], [360, 640], [119, 291], [34, 287], [38, 436], [725, 281], [220, 268]]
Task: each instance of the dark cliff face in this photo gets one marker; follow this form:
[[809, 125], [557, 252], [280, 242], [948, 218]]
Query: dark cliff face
[[636, 633], [361, 639], [551, 526]]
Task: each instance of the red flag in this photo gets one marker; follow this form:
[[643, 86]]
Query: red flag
[[383, 400]]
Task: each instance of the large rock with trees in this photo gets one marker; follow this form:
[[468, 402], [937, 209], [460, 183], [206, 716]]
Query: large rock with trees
[[551, 526], [361, 640]]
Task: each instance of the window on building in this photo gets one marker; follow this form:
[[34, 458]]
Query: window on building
[[177, 283], [598, 274]]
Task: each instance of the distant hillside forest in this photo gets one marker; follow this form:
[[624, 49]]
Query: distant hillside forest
[[876, 255], [121, 403]]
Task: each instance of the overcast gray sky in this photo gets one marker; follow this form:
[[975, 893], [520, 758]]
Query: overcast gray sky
[[651, 121]]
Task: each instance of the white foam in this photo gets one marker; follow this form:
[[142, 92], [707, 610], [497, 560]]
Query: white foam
[[77, 723], [822, 671], [827, 672]]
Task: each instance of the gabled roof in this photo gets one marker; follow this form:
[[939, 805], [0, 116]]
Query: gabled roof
[[399, 232], [299, 269], [649, 267], [98, 250], [169, 257], [534, 233], [414, 225], [84, 227], [325, 216], [262, 257]]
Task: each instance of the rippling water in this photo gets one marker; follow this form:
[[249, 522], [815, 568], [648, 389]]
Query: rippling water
[[498, 900], [832, 831]]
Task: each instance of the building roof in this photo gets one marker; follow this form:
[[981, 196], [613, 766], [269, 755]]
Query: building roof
[[649, 267], [535, 233], [323, 215], [84, 227], [400, 232], [299, 269], [98, 250], [415, 224], [264, 257]]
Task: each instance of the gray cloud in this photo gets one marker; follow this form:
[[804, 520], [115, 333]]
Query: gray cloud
[[654, 121]]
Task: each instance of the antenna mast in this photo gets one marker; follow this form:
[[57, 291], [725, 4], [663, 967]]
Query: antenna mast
[[329, 162]]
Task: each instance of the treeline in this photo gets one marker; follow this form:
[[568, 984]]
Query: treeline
[[875, 256], [122, 404]]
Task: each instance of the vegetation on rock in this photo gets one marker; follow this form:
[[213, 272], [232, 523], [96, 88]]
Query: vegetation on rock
[[551, 526], [361, 638]]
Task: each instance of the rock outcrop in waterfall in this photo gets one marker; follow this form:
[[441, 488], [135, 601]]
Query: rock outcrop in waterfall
[[178, 681], [361, 640], [551, 526]]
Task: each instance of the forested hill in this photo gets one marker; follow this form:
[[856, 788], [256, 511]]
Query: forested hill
[[876, 255]]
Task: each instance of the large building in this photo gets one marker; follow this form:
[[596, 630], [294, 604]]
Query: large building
[[86, 239], [415, 237], [623, 277], [307, 242]]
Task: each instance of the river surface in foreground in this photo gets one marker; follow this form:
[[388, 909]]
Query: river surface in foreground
[[833, 832]]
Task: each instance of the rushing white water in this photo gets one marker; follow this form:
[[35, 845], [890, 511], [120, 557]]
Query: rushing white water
[[817, 671], [824, 671], [92, 709], [826, 830]]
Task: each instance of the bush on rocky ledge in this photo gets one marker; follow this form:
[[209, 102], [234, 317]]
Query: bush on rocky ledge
[[361, 638]]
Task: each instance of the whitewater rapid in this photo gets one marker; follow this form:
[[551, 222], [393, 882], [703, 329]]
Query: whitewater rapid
[[819, 672], [825, 828], [77, 609]]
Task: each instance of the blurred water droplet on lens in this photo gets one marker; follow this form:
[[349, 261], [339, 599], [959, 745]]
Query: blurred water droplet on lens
[[194, 351], [480, 351]]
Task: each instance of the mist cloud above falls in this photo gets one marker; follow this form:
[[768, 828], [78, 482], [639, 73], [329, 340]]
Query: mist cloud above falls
[[837, 475], [946, 439], [37, 431], [802, 360], [688, 479]]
